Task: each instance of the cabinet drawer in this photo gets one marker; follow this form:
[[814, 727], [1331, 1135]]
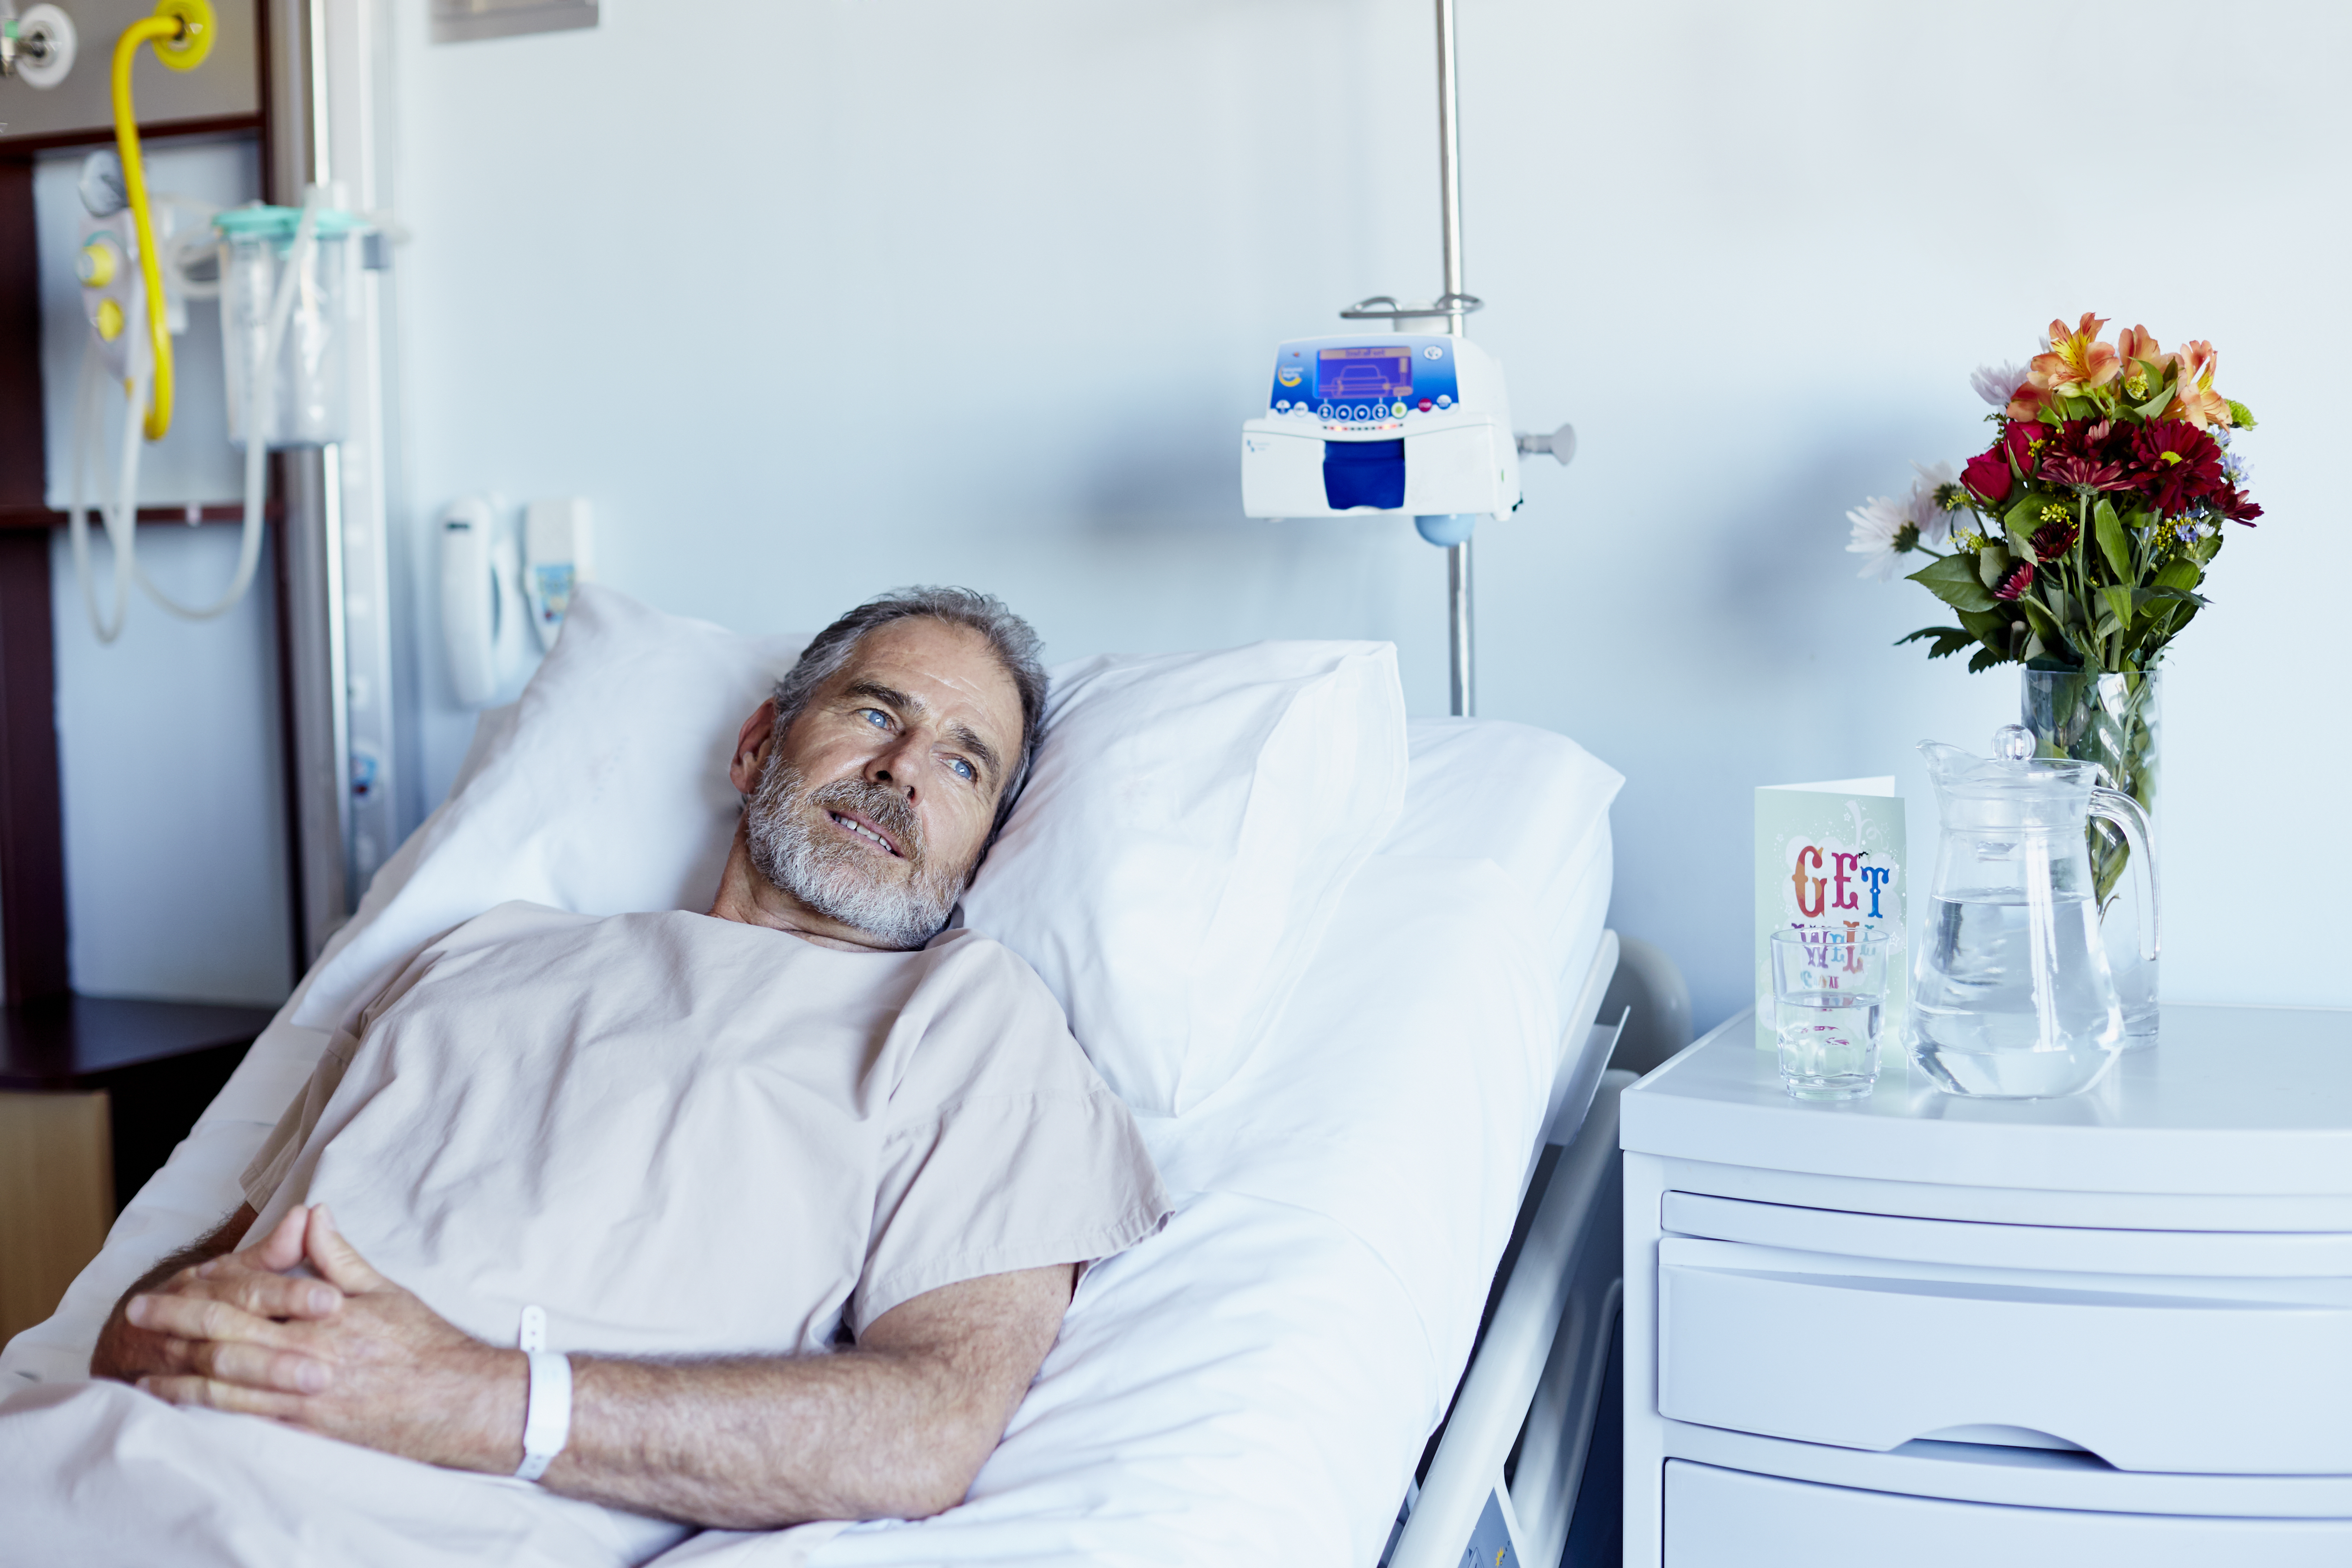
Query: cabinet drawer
[[2223, 1378], [2282, 1255], [1730, 1519]]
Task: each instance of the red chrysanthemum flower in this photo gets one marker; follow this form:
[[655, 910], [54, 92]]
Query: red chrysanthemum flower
[[2020, 579], [2233, 505], [2178, 465], [2081, 473], [2055, 539]]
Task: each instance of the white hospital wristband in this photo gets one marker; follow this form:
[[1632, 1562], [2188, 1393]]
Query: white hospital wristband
[[547, 1420], [548, 1426]]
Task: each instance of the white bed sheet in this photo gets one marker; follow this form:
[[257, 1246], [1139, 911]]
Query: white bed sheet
[[1256, 1383]]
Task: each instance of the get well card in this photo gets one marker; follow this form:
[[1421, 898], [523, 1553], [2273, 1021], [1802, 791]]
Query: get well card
[[1830, 856]]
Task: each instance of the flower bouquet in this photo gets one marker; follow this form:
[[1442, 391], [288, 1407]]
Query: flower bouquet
[[2077, 545], [2079, 538]]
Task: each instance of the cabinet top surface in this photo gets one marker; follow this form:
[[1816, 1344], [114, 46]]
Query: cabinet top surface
[[2229, 1101]]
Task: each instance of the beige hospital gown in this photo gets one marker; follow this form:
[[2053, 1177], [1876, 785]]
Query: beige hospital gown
[[680, 1135], [676, 1134]]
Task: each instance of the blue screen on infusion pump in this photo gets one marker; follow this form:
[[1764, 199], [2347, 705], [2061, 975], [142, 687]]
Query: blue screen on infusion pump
[[1379, 373]]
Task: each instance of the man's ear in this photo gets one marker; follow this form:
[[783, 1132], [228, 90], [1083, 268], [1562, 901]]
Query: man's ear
[[743, 772]]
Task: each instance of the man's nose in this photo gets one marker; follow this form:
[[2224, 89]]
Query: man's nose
[[893, 766]]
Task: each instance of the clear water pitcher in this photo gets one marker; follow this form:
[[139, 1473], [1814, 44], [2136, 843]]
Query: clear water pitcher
[[2012, 996]]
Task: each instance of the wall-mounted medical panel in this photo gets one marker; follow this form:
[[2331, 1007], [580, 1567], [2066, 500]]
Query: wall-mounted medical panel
[[222, 92]]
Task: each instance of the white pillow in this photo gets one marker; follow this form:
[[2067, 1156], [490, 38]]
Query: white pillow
[[1534, 803], [1192, 823], [605, 791]]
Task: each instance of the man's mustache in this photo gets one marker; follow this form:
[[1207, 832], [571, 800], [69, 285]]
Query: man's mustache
[[885, 809]]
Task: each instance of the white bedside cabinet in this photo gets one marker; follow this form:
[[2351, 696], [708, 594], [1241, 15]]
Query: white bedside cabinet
[[1921, 1329]]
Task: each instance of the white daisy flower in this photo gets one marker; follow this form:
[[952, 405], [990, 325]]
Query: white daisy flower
[[1935, 524], [1883, 530], [1996, 384]]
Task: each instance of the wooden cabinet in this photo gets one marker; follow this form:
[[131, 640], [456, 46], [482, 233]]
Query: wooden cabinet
[[94, 1094], [56, 1198]]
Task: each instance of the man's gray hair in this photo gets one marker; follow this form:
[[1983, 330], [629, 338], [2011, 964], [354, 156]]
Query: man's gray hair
[[1009, 637]]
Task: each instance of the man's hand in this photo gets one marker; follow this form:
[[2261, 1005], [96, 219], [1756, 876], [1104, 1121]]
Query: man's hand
[[381, 1368], [895, 1426], [251, 1283]]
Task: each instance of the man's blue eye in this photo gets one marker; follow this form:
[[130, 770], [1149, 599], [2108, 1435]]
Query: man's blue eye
[[876, 716], [964, 769]]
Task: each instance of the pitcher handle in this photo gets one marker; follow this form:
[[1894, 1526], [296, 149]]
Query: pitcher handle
[[2127, 815]]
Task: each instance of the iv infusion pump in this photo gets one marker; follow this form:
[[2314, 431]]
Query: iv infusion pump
[[1387, 422]]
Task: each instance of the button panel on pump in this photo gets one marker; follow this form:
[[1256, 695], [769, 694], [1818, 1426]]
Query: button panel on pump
[[1365, 388]]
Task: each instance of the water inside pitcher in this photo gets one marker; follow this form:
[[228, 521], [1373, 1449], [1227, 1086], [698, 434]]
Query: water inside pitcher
[[2012, 996]]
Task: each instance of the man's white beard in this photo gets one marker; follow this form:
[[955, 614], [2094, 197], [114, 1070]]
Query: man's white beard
[[835, 875]]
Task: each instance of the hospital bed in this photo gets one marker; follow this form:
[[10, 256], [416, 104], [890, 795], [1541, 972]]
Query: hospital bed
[[1260, 1381]]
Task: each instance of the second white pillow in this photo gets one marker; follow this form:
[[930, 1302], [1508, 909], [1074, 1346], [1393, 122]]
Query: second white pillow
[[1192, 823]]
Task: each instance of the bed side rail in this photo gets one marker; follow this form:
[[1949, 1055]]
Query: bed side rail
[[1540, 1368]]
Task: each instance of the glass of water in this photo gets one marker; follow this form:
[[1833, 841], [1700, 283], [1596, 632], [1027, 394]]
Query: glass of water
[[1829, 999]]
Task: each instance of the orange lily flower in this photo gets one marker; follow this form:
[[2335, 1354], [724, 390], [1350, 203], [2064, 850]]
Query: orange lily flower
[[2143, 359], [2193, 398], [2028, 402], [2077, 362]]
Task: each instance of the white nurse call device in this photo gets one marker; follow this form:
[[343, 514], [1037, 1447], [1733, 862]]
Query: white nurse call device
[[560, 546], [481, 601]]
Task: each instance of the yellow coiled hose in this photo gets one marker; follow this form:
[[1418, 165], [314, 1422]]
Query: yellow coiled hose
[[181, 32]]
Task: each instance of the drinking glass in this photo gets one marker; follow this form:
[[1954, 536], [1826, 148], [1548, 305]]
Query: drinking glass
[[1829, 999]]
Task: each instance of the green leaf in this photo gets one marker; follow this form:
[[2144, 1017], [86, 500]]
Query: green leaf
[[2180, 574], [2155, 406], [2069, 610], [2078, 407], [1949, 640], [1989, 627], [1954, 580], [2112, 543], [2020, 521], [1992, 564], [2240, 416], [2120, 600], [1986, 659]]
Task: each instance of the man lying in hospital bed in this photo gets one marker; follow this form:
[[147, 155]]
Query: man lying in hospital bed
[[802, 1185], [1339, 964]]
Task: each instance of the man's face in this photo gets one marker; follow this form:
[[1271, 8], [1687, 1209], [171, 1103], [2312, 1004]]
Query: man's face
[[872, 808]]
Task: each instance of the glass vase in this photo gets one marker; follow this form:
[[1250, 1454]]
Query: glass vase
[[2110, 719]]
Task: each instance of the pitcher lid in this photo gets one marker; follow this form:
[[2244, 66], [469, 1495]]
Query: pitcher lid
[[2012, 771]]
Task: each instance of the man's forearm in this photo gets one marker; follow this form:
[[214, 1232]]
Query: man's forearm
[[756, 1443], [896, 1427]]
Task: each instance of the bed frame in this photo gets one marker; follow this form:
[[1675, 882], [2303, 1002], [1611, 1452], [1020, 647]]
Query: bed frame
[[1536, 1377]]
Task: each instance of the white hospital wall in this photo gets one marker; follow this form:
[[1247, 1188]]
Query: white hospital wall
[[813, 298]]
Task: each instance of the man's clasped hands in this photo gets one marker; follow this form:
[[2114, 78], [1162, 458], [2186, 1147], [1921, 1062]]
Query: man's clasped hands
[[298, 1328]]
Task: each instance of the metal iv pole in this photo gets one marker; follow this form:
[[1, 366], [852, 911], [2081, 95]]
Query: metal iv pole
[[1459, 603]]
